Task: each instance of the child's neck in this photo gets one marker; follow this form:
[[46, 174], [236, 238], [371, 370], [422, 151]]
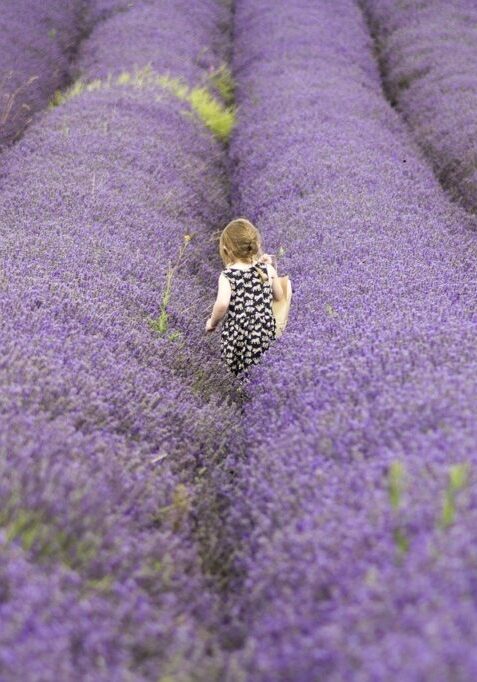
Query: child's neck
[[239, 262]]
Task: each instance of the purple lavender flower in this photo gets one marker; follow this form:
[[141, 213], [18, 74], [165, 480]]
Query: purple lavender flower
[[107, 425], [428, 54], [345, 570], [38, 44]]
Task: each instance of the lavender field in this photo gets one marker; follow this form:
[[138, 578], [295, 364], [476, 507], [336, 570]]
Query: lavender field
[[160, 520]]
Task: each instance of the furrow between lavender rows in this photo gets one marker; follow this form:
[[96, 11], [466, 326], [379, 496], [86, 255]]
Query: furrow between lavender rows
[[112, 408], [354, 512], [428, 59]]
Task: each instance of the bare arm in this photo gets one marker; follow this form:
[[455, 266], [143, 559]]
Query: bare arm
[[221, 304], [277, 291]]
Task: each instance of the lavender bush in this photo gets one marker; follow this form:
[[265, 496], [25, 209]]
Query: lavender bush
[[187, 27], [353, 508], [38, 44], [428, 52], [110, 412]]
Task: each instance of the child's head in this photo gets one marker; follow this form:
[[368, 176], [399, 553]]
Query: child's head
[[240, 240]]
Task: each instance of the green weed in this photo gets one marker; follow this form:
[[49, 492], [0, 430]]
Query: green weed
[[396, 476], [458, 477], [396, 483], [161, 324]]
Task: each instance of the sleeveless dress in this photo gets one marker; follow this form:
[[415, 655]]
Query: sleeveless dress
[[249, 326]]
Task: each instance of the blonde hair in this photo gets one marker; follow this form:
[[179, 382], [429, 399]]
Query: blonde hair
[[240, 240]]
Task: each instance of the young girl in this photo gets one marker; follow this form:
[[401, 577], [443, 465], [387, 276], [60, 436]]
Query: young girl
[[246, 288]]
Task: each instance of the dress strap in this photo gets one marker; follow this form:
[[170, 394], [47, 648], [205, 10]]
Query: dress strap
[[228, 272]]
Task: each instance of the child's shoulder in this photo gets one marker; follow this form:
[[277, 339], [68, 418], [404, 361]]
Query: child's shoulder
[[228, 274], [230, 271]]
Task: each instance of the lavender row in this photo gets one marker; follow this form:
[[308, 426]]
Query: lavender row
[[354, 513], [110, 413], [428, 53], [192, 57], [39, 45]]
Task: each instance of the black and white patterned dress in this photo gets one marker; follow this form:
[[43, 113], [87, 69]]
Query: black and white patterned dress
[[249, 326]]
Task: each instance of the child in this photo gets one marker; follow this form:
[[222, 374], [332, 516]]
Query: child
[[247, 286]]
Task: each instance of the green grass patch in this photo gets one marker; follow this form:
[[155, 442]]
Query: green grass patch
[[41, 535], [176, 512], [217, 117], [222, 80]]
